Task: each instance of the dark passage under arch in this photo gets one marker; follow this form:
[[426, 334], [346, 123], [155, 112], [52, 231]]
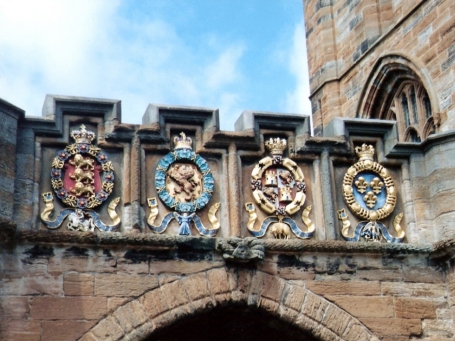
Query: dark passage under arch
[[233, 323]]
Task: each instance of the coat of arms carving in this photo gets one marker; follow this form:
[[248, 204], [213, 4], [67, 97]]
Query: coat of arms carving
[[370, 193], [279, 189], [82, 177], [184, 183]]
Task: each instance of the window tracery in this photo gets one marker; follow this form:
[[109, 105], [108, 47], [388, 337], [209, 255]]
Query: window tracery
[[398, 90], [411, 108]]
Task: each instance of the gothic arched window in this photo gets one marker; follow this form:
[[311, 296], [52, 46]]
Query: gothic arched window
[[396, 91]]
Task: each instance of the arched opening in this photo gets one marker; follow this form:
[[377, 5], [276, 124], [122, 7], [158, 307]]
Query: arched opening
[[232, 323], [397, 91], [231, 304]]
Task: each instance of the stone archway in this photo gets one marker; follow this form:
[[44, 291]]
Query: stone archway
[[233, 322], [171, 302]]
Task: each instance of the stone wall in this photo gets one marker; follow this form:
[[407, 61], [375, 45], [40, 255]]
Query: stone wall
[[111, 292], [130, 283]]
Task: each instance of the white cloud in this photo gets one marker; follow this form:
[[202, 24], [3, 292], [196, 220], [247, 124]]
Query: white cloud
[[298, 101], [224, 69], [89, 48]]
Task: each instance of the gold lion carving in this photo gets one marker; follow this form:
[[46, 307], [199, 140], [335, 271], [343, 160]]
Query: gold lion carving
[[81, 189], [80, 162], [183, 177]]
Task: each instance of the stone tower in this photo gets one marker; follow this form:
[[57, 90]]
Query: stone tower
[[388, 59]]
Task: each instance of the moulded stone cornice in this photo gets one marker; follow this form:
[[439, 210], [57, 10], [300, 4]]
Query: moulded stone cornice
[[341, 130], [116, 239], [56, 107], [256, 120], [11, 109], [407, 148]]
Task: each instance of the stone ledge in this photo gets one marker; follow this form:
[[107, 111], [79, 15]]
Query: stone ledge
[[441, 249]]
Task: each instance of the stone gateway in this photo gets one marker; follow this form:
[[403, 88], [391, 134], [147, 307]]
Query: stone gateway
[[177, 230]]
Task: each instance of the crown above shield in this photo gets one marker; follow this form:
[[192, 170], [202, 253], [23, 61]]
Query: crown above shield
[[183, 142], [83, 135], [276, 146], [366, 152]]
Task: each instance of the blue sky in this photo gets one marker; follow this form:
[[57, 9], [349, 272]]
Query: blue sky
[[226, 54]]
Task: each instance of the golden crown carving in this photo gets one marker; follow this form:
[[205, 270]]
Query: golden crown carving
[[183, 142], [83, 135], [366, 152], [276, 146]]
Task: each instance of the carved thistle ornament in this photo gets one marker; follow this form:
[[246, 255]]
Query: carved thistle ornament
[[370, 193], [185, 184], [279, 188], [82, 177]]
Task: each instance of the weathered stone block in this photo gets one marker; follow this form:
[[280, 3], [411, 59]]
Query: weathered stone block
[[438, 328], [68, 308], [203, 304], [141, 332], [196, 286], [255, 289], [218, 282], [76, 284], [64, 330], [182, 267], [273, 288], [356, 332], [130, 315], [88, 337], [239, 282], [287, 314], [164, 279], [315, 307], [336, 320], [174, 294], [296, 273], [294, 297], [306, 323], [154, 303], [123, 285], [33, 285], [20, 330], [170, 316], [90, 263], [322, 333], [393, 327], [13, 308], [422, 275], [365, 306], [344, 288], [412, 289], [115, 302], [268, 305], [417, 308], [108, 329], [380, 274]]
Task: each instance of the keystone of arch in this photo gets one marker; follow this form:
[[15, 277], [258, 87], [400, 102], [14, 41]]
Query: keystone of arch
[[190, 295]]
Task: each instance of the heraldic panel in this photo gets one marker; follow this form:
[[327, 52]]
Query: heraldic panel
[[185, 184], [371, 195], [82, 179], [279, 190]]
